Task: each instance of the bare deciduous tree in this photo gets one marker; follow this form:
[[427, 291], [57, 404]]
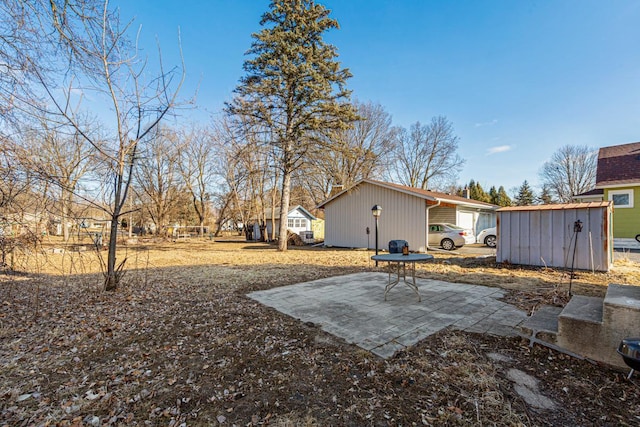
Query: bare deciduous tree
[[425, 156], [196, 154], [245, 165], [100, 60], [157, 175], [14, 180], [18, 200], [350, 154], [61, 159], [56, 56], [571, 171], [22, 42], [231, 178]]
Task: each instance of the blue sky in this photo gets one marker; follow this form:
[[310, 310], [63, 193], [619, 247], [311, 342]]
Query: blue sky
[[518, 79]]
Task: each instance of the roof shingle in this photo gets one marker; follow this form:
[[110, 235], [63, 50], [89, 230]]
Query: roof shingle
[[427, 194], [434, 194], [619, 164]]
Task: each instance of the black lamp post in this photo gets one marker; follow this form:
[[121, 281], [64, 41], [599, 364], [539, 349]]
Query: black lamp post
[[376, 210]]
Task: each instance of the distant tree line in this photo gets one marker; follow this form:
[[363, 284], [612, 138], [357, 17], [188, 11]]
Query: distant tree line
[[473, 190]]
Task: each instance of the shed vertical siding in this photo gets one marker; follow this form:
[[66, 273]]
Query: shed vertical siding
[[403, 217], [545, 236], [535, 252], [560, 239]]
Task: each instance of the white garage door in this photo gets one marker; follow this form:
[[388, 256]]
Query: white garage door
[[465, 219]]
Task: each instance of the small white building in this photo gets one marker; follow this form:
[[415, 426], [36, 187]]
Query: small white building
[[406, 214], [299, 220]]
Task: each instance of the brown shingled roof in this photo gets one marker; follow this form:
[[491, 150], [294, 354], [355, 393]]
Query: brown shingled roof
[[434, 194], [594, 192], [618, 165], [426, 194]]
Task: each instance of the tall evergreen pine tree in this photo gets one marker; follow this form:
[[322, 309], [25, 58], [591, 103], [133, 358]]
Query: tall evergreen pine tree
[[503, 198], [545, 196], [476, 192], [525, 196], [294, 89]]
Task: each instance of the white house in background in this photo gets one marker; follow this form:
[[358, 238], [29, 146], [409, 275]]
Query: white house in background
[[298, 220], [406, 213]]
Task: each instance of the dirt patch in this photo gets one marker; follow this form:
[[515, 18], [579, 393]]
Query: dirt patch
[[180, 343]]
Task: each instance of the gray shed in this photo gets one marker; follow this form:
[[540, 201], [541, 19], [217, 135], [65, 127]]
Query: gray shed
[[547, 235]]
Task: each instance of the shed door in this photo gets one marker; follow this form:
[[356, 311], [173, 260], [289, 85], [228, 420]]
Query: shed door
[[465, 220]]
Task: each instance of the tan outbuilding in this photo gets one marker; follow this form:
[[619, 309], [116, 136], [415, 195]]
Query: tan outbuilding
[[406, 214]]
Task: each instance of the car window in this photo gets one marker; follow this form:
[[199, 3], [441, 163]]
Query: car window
[[434, 228], [455, 227]]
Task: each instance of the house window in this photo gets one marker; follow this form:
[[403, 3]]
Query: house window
[[621, 198], [296, 223]]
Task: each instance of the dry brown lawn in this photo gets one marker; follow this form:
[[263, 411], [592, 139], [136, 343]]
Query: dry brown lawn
[[180, 344], [195, 258]]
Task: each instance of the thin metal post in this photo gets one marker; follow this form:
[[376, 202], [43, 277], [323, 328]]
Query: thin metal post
[[376, 239], [376, 211]]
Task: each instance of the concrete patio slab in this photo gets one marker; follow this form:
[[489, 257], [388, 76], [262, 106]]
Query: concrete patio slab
[[353, 308]]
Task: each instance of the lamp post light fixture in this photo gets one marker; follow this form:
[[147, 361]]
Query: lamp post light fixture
[[376, 210]]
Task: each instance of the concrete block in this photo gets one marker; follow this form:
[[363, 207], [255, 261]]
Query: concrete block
[[626, 296], [582, 308], [580, 326], [593, 327], [621, 319], [543, 320]]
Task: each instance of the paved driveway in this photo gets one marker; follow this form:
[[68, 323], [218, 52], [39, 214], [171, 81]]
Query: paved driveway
[[627, 254]]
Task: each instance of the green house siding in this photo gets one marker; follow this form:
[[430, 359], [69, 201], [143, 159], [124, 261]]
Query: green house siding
[[626, 221]]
